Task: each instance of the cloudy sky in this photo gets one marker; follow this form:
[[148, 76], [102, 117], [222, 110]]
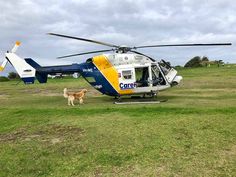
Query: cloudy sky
[[130, 22]]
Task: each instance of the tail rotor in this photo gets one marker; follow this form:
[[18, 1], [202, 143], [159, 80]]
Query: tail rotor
[[13, 50]]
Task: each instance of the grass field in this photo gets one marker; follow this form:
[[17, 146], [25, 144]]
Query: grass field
[[192, 134]]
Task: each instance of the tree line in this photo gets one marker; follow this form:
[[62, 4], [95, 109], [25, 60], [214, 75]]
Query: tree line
[[198, 61], [11, 76]]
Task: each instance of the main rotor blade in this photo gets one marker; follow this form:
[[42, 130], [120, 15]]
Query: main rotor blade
[[85, 53], [182, 45], [84, 39], [142, 55]]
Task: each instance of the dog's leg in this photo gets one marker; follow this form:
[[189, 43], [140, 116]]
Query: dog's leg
[[68, 101], [72, 101], [81, 101]]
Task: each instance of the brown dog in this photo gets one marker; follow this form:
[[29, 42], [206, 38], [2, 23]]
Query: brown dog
[[74, 96]]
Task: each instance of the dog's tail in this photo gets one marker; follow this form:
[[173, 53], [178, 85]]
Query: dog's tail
[[65, 93]]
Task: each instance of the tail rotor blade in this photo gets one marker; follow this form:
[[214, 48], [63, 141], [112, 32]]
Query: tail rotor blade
[[14, 49], [3, 65]]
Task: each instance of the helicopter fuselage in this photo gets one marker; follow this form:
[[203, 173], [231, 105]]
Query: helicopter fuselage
[[128, 74]]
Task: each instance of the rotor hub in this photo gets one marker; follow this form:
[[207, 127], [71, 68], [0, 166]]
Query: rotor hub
[[123, 49]]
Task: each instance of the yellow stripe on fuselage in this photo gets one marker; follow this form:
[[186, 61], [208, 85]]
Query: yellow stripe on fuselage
[[110, 73], [1, 68]]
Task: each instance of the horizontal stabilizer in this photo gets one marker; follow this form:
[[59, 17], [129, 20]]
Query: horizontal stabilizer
[[40, 76], [32, 63]]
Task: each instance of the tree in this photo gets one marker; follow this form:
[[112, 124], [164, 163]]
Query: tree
[[204, 58], [194, 62], [205, 61], [13, 75]]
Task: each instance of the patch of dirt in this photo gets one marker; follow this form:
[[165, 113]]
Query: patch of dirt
[[3, 95], [52, 134], [32, 91], [43, 92], [93, 92], [51, 94], [227, 157], [13, 136], [230, 152]]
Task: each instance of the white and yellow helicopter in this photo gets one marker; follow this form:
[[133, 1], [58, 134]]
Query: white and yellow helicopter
[[122, 72]]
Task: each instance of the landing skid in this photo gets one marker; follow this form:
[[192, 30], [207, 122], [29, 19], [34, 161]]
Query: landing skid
[[141, 101], [138, 102]]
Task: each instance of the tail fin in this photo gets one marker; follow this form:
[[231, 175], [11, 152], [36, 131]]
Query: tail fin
[[25, 71]]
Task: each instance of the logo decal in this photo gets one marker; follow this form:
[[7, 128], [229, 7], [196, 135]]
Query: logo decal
[[88, 70], [128, 86], [98, 86]]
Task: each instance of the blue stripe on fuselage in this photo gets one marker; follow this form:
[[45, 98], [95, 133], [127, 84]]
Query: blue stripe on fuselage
[[101, 83]]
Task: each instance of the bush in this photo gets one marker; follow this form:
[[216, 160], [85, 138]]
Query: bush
[[3, 79], [13, 75]]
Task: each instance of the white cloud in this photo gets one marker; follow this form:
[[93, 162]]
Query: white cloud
[[131, 22]]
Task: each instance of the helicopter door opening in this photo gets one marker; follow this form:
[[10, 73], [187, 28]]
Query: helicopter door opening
[[142, 77], [157, 77]]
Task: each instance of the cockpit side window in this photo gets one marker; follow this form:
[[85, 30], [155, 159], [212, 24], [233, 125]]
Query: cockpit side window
[[157, 77], [165, 67], [155, 72], [127, 74]]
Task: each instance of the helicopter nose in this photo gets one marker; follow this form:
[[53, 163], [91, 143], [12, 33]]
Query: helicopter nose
[[176, 80]]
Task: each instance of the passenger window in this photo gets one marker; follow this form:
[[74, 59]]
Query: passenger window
[[127, 74]]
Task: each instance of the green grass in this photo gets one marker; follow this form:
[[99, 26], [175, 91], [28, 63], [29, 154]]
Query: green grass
[[192, 134]]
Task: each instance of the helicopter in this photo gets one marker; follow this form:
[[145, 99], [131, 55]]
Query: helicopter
[[124, 71]]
